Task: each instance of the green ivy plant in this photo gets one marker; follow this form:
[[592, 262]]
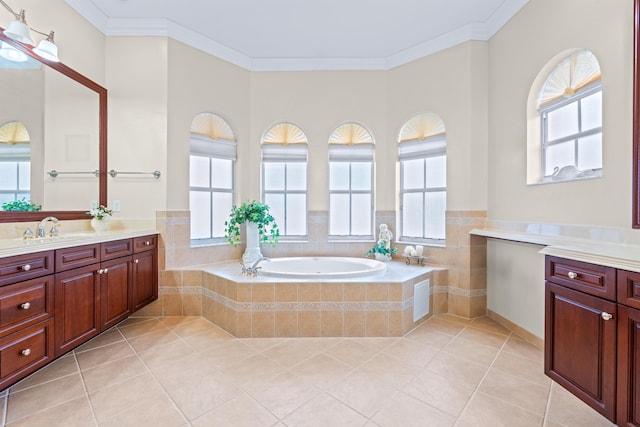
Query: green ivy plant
[[21, 206], [379, 248], [268, 231]]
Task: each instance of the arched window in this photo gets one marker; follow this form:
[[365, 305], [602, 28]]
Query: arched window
[[351, 150], [284, 178], [15, 163], [569, 108], [423, 179], [211, 176]]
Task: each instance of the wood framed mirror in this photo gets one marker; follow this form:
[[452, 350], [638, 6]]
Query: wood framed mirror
[[636, 115], [94, 94]]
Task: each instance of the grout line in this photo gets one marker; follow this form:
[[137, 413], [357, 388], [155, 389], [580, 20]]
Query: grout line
[[84, 387], [5, 407]]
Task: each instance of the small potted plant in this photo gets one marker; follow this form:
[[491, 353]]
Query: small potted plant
[[381, 252], [22, 205], [101, 215], [261, 227]]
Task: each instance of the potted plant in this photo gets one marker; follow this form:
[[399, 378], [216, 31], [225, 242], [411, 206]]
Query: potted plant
[[261, 227], [381, 252], [100, 215], [22, 205]]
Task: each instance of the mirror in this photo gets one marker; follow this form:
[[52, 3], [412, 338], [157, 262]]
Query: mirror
[[636, 115], [68, 134]]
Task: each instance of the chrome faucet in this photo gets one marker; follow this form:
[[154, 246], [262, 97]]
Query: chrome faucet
[[253, 270], [54, 229]]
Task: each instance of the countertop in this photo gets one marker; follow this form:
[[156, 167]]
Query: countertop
[[18, 246]]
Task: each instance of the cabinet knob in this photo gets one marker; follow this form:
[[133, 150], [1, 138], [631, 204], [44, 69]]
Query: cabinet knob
[[135, 261], [606, 316], [26, 352], [103, 271], [147, 243], [100, 271], [25, 305], [26, 267], [572, 275]]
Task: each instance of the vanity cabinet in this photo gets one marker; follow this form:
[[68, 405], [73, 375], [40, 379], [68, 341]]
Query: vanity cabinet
[[592, 335], [53, 301]]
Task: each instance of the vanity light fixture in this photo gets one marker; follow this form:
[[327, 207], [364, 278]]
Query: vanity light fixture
[[18, 30]]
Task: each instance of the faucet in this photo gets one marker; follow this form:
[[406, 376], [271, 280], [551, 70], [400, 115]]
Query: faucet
[[54, 229], [253, 270]]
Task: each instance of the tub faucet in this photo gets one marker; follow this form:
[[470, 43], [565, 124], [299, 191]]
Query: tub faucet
[[54, 228], [253, 270]]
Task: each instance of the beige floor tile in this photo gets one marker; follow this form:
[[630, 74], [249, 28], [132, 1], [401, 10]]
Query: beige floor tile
[[166, 354], [350, 352], [58, 369], [457, 369], [105, 354], [453, 318], [263, 344], [74, 413], [193, 328], [137, 328], [289, 353], [227, 353], [320, 344], [522, 368], [425, 336], [363, 392], [118, 398], [567, 410], [158, 412], [439, 392], [443, 325], [411, 352], [174, 321], [389, 369], [111, 336], [472, 351], [238, 412], [284, 394], [377, 343], [525, 394], [519, 347], [44, 396], [153, 339], [485, 410], [209, 340], [113, 372], [482, 337], [321, 370], [203, 393], [488, 325], [406, 411], [324, 411], [254, 371], [183, 371]]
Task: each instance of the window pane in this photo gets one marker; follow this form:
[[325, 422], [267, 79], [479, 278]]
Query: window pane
[[361, 215], [24, 169], [559, 155], [276, 209], [4, 198], [8, 175], [361, 176], [563, 121], [413, 174], [592, 111], [412, 219], [435, 206], [222, 173], [198, 171], [338, 175], [590, 152], [436, 172], [296, 214], [200, 205], [339, 214], [222, 203], [296, 176], [273, 176]]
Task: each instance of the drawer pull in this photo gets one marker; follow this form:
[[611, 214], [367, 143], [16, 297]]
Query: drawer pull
[[147, 243], [606, 316], [26, 352], [135, 261], [103, 271], [572, 275], [25, 305], [26, 267]]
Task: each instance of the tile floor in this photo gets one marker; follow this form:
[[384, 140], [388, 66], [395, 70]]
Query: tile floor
[[185, 371]]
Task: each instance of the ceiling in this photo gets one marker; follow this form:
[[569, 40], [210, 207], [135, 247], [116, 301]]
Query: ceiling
[[264, 35]]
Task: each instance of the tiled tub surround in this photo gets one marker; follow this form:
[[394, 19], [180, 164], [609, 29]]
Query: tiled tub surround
[[461, 291]]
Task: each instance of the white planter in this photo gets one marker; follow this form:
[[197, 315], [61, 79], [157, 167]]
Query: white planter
[[100, 224], [382, 257], [252, 252]]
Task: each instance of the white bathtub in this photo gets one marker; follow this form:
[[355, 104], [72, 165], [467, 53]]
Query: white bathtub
[[320, 267]]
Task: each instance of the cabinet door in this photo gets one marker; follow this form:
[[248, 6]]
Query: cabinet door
[[77, 302], [580, 346], [145, 279], [115, 291], [628, 366]]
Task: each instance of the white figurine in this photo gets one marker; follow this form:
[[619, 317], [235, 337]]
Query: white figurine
[[385, 236]]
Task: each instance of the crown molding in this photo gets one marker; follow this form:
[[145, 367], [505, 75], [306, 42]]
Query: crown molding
[[161, 27]]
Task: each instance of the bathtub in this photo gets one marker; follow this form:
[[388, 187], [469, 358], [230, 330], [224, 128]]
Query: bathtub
[[320, 267]]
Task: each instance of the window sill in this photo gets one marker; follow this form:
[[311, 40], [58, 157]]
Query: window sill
[[207, 243], [549, 180], [425, 244]]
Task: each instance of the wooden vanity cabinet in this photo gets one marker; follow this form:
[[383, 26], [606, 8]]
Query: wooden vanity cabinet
[[144, 271]]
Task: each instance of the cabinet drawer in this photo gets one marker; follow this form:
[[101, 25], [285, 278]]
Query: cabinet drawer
[[25, 303], [78, 256], [25, 351], [23, 267], [116, 249], [145, 243], [629, 288], [592, 279]]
